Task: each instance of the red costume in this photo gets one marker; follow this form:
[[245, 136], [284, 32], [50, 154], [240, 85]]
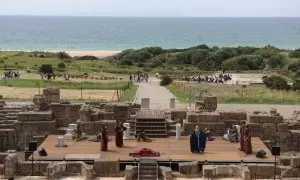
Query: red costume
[[247, 140], [119, 134]]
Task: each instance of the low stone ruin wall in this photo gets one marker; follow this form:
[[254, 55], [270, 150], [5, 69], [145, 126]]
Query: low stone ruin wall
[[131, 172], [107, 168], [3, 156], [233, 171], [65, 114], [290, 166]]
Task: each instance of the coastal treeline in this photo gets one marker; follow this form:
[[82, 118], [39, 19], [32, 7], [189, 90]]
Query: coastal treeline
[[207, 58]]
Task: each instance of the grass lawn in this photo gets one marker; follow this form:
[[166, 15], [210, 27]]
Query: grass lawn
[[35, 83], [129, 94], [250, 94]]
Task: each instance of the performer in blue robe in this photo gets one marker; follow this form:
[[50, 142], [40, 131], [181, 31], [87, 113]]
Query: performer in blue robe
[[198, 140]]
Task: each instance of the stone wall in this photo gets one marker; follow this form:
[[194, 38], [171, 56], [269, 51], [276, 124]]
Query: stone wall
[[218, 171], [177, 114], [51, 94], [261, 171], [189, 168], [290, 166], [8, 139], [65, 114], [210, 120], [39, 168], [106, 168]]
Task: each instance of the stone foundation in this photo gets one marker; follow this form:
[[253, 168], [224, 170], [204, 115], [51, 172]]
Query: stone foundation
[[106, 168], [221, 171]]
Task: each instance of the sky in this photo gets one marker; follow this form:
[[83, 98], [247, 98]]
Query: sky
[[153, 8]]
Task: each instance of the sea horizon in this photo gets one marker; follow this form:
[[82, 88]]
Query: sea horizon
[[112, 33]]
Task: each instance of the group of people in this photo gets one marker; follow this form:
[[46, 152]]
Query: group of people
[[11, 74], [119, 131], [235, 134], [221, 78], [47, 76], [139, 78], [240, 134]]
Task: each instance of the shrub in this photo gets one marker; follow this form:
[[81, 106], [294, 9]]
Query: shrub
[[296, 85], [63, 55], [295, 53], [61, 65], [46, 68], [87, 58], [42, 56], [166, 80], [276, 82], [2, 61]]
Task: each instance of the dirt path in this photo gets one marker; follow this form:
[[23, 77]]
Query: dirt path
[[159, 95]]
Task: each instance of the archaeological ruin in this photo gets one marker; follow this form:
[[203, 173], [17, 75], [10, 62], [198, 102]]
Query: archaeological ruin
[[53, 122]]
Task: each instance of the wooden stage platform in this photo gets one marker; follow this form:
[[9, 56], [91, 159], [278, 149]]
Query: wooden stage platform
[[169, 148]]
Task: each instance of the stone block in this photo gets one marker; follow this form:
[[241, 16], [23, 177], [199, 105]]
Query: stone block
[[107, 115], [39, 168], [265, 119], [87, 172], [290, 172], [178, 114], [263, 170], [204, 117], [10, 164], [23, 116], [189, 167], [74, 167], [131, 172], [282, 127], [285, 160], [209, 171], [166, 172], [106, 168], [64, 122], [233, 115], [255, 127], [56, 169], [295, 161]]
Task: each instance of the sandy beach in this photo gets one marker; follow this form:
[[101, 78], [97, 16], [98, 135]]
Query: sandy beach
[[73, 53], [97, 53]]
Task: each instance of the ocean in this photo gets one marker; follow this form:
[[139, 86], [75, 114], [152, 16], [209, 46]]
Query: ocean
[[119, 33]]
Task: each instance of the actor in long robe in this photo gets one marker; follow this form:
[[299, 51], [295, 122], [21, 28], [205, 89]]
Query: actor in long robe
[[247, 140], [104, 140], [119, 134], [198, 140], [242, 131]]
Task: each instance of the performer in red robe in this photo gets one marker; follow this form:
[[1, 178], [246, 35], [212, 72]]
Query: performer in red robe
[[119, 134], [242, 130], [247, 140], [104, 139]]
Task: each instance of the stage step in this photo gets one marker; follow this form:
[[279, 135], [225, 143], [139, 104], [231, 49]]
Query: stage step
[[148, 169]]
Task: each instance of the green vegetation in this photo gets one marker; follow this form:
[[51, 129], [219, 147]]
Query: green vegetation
[[241, 94], [129, 94], [61, 84], [155, 59], [166, 80]]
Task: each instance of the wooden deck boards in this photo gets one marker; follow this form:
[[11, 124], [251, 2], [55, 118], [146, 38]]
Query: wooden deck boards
[[169, 148]]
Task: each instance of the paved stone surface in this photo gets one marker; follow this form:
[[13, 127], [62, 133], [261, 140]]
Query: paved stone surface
[[159, 95]]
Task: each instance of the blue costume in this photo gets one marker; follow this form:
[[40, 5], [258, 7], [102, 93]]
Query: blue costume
[[198, 141]]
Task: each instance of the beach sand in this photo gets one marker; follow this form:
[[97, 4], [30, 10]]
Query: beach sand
[[97, 53]]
